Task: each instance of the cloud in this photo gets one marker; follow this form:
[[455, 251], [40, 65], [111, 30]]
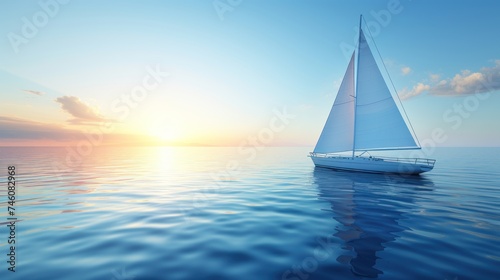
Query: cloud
[[434, 77], [22, 132], [34, 92], [416, 90], [405, 70], [463, 83], [15, 128], [83, 114]]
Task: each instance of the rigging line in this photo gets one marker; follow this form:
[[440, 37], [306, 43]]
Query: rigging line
[[355, 72], [390, 79]]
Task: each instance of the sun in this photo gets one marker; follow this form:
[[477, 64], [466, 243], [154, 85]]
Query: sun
[[165, 134]]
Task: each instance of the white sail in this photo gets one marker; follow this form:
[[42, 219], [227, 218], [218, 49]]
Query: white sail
[[378, 121], [338, 132]]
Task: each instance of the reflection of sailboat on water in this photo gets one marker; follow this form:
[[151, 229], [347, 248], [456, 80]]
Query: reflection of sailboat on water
[[368, 211], [365, 117]]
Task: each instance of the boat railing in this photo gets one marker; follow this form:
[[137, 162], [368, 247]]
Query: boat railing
[[421, 161]]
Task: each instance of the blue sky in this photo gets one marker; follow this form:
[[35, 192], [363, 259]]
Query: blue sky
[[233, 64]]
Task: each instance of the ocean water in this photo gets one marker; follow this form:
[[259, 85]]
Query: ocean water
[[218, 213]]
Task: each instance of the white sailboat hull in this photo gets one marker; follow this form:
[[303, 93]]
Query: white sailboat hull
[[374, 164]]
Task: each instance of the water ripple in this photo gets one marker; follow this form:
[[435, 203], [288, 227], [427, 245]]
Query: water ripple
[[178, 213]]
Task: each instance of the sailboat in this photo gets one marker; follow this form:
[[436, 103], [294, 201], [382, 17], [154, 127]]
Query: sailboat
[[364, 117]]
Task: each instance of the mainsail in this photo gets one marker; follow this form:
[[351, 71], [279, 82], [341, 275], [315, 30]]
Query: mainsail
[[379, 124], [364, 117]]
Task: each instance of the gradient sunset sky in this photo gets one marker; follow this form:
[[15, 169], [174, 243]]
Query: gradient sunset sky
[[218, 72]]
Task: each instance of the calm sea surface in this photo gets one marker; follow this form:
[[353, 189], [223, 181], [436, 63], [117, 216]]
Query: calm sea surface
[[220, 213]]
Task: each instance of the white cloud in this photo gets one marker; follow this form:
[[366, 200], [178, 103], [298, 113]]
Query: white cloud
[[81, 111], [463, 83], [416, 90], [405, 70]]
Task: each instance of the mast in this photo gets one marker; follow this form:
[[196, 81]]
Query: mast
[[356, 88]]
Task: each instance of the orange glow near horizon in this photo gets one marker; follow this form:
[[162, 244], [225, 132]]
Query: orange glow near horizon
[[162, 137]]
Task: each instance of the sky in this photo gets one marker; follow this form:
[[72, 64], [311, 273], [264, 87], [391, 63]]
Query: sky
[[238, 72]]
